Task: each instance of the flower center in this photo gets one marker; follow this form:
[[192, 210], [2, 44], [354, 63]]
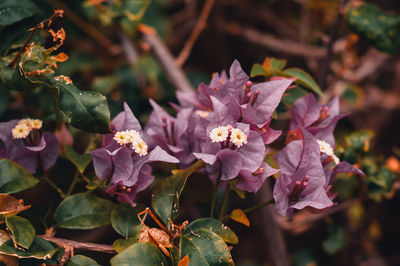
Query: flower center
[[228, 134], [132, 137]]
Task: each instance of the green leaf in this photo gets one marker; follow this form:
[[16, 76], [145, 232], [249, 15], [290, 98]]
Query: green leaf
[[120, 245], [40, 249], [86, 110], [257, 70], [215, 226], [360, 140], [14, 178], [166, 192], [83, 211], [293, 95], [124, 218], [140, 254], [81, 161], [23, 232], [336, 239], [80, 260], [239, 192], [303, 78], [204, 247], [12, 11], [380, 184], [381, 30]]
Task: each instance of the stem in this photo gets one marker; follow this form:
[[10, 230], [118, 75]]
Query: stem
[[51, 183], [80, 245], [73, 183], [56, 13], [215, 196], [224, 202]]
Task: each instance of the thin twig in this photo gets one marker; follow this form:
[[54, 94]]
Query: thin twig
[[214, 198], [80, 245], [86, 27], [165, 59], [329, 49], [224, 202], [57, 13], [200, 25], [272, 42], [53, 185], [271, 230]]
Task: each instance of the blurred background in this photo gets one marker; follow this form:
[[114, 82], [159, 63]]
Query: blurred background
[[349, 49]]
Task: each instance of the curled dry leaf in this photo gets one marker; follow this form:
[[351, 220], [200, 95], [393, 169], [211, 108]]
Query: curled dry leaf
[[11, 206], [239, 216]]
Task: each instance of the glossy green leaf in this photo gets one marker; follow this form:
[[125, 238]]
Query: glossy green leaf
[[380, 183], [81, 161], [303, 78], [204, 247], [12, 11], [140, 254], [291, 95], [165, 200], [80, 260], [14, 178], [336, 239], [40, 249], [83, 211], [120, 245], [380, 29], [257, 70], [124, 218], [22, 230], [86, 110], [215, 226]]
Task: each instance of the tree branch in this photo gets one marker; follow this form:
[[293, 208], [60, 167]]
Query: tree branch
[[271, 230], [272, 42], [165, 59], [200, 25], [80, 245]]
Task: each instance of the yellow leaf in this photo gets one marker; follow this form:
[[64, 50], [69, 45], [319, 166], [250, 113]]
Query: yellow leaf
[[239, 216]]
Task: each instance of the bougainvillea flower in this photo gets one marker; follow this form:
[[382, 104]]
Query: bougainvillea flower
[[175, 135], [226, 145], [252, 181], [318, 120], [26, 144], [302, 180], [124, 157]]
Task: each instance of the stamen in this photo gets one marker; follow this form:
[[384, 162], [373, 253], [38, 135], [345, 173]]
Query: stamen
[[172, 124], [255, 96], [259, 171], [164, 125], [247, 97], [298, 189]]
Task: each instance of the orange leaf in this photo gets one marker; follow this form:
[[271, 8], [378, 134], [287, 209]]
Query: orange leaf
[[143, 28], [11, 206], [184, 261], [61, 57], [239, 216]]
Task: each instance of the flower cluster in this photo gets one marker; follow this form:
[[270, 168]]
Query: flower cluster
[[306, 166], [27, 144]]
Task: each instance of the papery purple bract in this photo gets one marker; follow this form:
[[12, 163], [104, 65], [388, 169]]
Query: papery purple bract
[[319, 121], [27, 153], [175, 135], [129, 172], [301, 182]]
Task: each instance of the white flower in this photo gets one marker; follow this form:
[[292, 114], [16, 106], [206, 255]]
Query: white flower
[[326, 148], [122, 137], [133, 136], [20, 131], [27, 122], [219, 134], [36, 123], [238, 137], [140, 147]]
